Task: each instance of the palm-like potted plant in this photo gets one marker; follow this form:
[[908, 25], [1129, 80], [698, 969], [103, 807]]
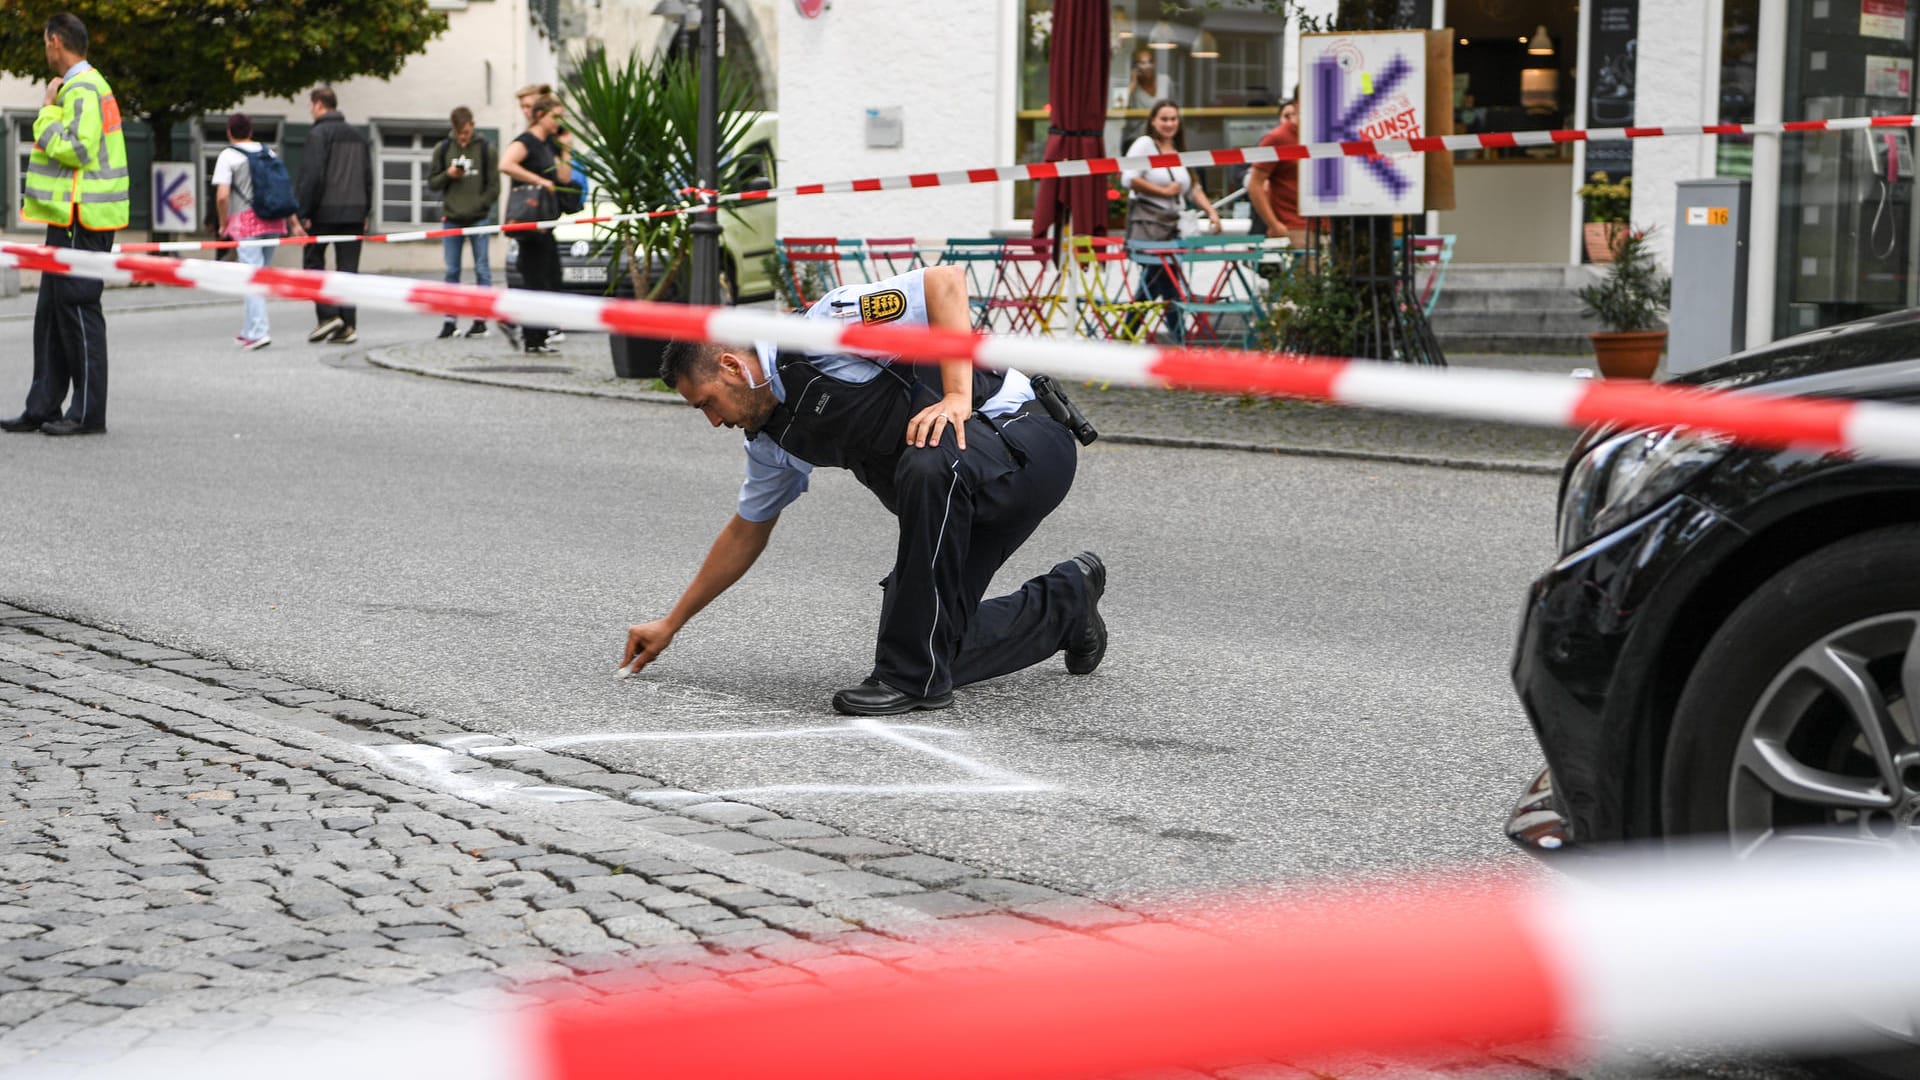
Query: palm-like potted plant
[[1631, 302], [1608, 205], [635, 128]]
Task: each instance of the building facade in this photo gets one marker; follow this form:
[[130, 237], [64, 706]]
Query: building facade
[[490, 49], [960, 85]]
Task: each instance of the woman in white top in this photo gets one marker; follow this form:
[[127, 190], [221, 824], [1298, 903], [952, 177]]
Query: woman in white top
[[1155, 197]]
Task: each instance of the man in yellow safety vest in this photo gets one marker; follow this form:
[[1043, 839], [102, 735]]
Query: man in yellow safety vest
[[76, 184]]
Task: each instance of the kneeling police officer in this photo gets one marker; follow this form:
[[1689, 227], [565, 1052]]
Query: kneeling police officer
[[969, 461]]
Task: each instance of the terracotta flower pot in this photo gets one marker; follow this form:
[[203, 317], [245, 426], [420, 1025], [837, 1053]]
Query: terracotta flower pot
[[1601, 236], [1633, 354]]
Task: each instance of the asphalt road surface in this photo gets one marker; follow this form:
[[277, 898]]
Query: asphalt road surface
[[1307, 674]]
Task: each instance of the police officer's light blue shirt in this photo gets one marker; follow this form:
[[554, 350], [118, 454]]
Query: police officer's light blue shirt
[[774, 477]]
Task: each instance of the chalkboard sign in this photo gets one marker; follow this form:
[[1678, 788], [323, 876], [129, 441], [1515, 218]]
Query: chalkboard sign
[[1610, 56]]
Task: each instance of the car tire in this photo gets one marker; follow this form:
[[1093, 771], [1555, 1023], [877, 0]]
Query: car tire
[[1873, 575], [1838, 597]]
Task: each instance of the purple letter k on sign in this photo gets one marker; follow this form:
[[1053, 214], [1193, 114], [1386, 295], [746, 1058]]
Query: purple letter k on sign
[[172, 197], [1338, 119]]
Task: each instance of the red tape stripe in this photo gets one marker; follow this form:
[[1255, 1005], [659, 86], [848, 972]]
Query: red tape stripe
[[1760, 419], [1351, 973]]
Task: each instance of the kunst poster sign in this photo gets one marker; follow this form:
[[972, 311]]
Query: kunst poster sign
[[1363, 86]]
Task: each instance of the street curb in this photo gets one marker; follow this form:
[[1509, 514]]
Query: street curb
[[1118, 438]]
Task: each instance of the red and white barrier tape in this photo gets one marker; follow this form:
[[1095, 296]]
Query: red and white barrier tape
[[401, 237], [1872, 428], [1252, 155], [1257, 155], [1659, 956]]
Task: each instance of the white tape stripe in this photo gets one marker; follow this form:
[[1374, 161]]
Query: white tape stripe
[[1884, 430], [1464, 392], [1723, 954], [1533, 138]]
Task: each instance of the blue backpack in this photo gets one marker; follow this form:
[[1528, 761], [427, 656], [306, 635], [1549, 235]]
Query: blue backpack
[[272, 187]]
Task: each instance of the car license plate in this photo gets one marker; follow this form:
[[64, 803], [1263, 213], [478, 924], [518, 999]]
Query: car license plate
[[596, 274]]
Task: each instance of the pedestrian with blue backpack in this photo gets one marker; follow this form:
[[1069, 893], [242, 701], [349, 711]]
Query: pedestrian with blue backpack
[[254, 195]]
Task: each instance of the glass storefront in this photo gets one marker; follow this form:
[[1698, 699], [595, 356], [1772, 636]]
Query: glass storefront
[[1513, 70], [1846, 228], [1223, 66]]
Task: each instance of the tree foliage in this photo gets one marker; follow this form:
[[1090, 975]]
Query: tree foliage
[[171, 59], [636, 127]]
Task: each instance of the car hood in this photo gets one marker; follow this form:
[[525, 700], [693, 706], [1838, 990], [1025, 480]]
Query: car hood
[[1869, 358]]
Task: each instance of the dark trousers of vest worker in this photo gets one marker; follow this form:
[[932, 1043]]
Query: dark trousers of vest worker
[[961, 516], [70, 338], [346, 259]]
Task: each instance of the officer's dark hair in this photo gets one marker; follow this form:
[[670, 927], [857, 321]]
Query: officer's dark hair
[[239, 126], [698, 360], [325, 96], [67, 28]]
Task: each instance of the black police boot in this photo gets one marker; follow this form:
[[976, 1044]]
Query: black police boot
[[875, 698], [1089, 643]]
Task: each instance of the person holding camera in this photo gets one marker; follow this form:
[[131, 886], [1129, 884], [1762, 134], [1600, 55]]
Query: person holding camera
[[466, 175]]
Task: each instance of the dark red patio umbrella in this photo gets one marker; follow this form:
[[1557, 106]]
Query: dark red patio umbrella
[[1077, 86]]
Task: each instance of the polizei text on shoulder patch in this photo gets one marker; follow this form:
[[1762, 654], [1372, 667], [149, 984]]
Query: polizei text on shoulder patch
[[883, 306]]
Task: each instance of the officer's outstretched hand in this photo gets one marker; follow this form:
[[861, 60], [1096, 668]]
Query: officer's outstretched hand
[[926, 428], [645, 643]]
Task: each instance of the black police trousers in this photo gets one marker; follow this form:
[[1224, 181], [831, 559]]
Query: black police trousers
[[70, 338], [961, 516]]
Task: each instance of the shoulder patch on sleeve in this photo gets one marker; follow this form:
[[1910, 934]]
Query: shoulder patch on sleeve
[[883, 306]]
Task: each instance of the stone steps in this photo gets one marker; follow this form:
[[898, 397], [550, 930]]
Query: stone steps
[[1521, 308]]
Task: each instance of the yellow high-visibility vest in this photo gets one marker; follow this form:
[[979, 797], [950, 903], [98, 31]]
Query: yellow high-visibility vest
[[79, 159]]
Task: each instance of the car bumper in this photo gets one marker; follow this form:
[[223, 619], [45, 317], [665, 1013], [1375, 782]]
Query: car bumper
[[1589, 648]]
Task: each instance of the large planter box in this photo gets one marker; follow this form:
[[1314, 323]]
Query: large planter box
[[636, 357]]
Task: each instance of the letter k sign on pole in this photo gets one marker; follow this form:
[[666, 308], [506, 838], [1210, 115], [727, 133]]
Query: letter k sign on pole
[[176, 196], [1363, 86]]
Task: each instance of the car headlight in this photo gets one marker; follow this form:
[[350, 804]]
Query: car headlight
[[1623, 477], [513, 248]]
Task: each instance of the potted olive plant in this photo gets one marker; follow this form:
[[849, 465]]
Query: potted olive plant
[[1607, 204], [635, 128], [1631, 302]]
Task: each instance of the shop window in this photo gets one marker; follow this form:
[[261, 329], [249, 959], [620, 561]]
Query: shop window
[[1513, 70], [1847, 231], [1225, 68], [403, 161]]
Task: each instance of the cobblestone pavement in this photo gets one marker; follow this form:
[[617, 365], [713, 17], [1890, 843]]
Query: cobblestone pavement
[[197, 856], [1122, 414]]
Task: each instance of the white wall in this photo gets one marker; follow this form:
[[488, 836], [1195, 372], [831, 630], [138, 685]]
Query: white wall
[[1676, 81], [947, 66]]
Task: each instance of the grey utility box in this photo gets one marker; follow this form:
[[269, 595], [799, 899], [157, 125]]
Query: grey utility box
[[1709, 318]]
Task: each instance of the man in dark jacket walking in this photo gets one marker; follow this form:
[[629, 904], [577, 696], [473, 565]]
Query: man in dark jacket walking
[[336, 195], [465, 172]]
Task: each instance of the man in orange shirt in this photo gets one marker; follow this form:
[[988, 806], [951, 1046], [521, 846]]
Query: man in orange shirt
[[1274, 186]]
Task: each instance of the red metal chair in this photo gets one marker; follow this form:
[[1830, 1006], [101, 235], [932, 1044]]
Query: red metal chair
[[1025, 293], [891, 256], [811, 266]]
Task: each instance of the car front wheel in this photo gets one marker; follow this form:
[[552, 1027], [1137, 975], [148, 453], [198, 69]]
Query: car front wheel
[[1798, 724]]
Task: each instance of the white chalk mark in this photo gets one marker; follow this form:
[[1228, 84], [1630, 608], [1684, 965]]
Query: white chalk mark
[[884, 789], [442, 770], [972, 765], [696, 736]]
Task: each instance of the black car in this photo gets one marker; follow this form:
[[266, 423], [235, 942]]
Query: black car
[[1730, 640]]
